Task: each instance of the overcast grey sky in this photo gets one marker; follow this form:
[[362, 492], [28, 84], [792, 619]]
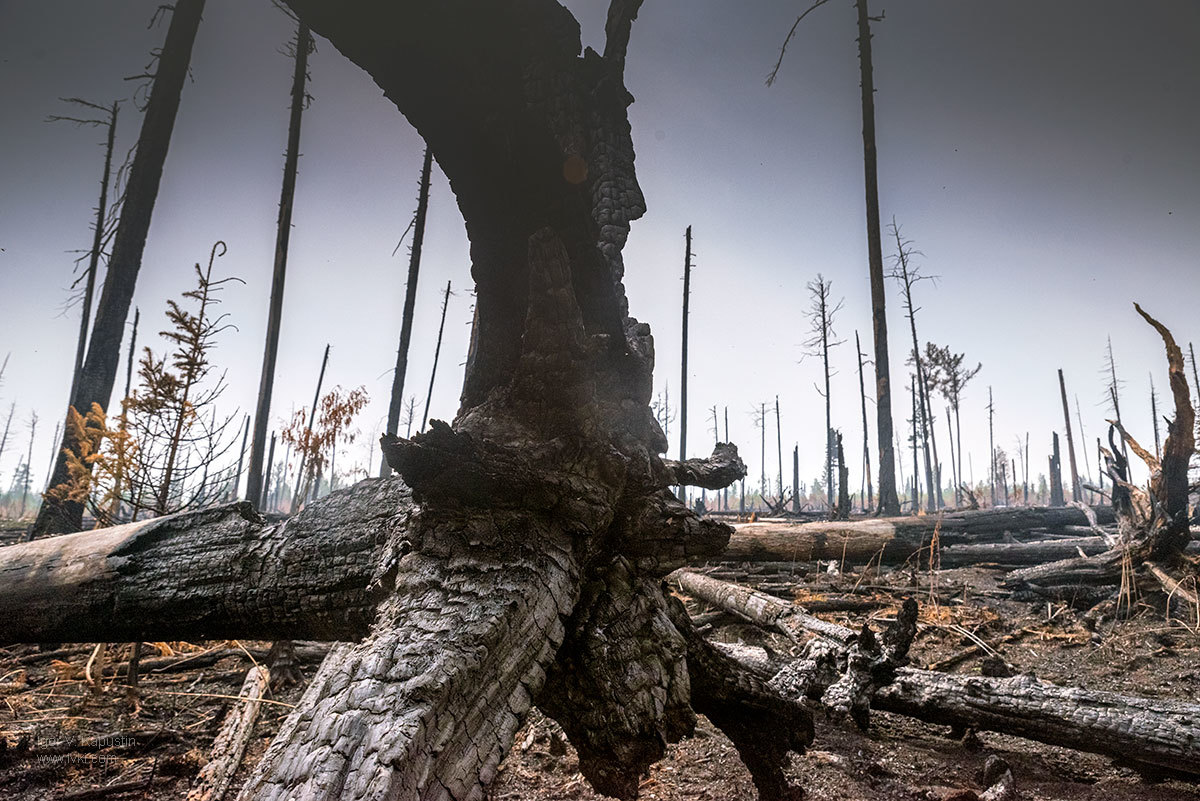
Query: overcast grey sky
[[1042, 155]]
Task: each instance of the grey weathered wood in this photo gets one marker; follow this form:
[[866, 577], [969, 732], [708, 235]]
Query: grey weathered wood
[[894, 539]]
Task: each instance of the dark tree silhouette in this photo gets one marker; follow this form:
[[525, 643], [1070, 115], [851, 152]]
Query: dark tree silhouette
[[302, 47], [99, 371], [821, 313], [396, 402]]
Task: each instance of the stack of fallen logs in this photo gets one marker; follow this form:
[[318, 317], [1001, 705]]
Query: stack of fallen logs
[[849, 672], [1076, 554]]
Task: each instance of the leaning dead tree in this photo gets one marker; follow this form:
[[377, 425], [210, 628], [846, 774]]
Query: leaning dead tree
[[99, 370]]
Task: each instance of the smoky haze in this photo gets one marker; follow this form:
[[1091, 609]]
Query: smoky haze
[[1042, 157]]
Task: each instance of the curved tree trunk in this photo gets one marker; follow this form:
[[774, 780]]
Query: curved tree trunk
[[543, 516]]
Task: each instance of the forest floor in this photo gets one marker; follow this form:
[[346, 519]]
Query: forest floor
[[60, 739]]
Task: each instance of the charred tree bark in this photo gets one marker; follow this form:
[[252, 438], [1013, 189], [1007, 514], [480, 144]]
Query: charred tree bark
[[218, 573], [99, 371], [549, 482], [869, 501], [683, 354], [1076, 490], [1056, 487]]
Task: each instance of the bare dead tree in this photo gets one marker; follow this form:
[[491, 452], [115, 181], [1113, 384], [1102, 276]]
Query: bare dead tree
[[302, 48], [683, 357], [760, 421], [1082, 439], [991, 410], [437, 352], [907, 274], [821, 313], [869, 498], [410, 302], [1113, 391], [1056, 487], [33, 421], [1076, 489], [889, 502], [916, 445], [312, 416], [109, 122], [99, 371]]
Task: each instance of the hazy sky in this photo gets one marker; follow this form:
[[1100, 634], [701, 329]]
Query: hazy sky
[[1045, 157]]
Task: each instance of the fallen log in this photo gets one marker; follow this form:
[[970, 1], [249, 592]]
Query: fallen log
[[1131, 729], [1150, 731], [214, 778], [220, 573], [1021, 553], [893, 539]]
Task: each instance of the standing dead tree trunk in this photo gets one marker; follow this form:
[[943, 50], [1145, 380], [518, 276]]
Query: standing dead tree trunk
[[1056, 487], [410, 304], [869, 500], [99, 371], [907, 275], [821, 313], [1114, 391], [283, 232], [437, 352], [301, 490], [98, 228], [1076, 490], [991, 410], [683, 356], [889, 503]]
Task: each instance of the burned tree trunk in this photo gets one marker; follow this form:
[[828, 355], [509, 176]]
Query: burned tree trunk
[[99, 371], [889, 502], [283, 233], [543, 509], [1146, 731], [894, 539], [1056, 487], [410, 301]]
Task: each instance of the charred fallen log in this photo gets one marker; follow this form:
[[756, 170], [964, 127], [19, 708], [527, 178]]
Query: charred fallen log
[[1149, 731], [219, 573], [893, 539]]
